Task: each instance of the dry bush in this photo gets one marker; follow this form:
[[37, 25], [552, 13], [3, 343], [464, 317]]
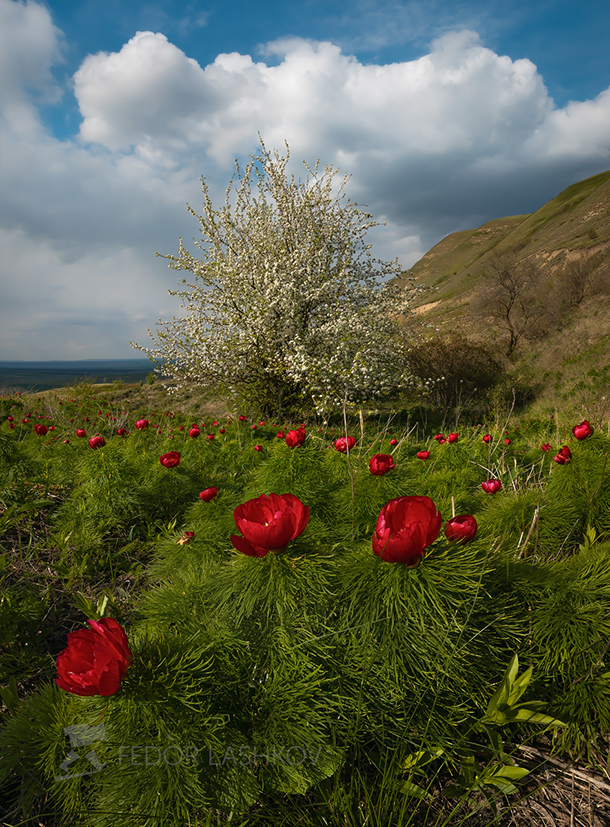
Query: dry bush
[[460, 371]]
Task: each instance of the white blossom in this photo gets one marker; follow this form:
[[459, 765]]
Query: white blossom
[[286, 303]]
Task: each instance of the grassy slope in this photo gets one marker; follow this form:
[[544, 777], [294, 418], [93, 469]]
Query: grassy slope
[[577, 219], [574, 223]]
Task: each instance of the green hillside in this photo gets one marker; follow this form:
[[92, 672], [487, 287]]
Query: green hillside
[[562, 251], [576, 220]]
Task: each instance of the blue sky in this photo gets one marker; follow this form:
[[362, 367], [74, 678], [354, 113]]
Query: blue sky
[[446, 114]]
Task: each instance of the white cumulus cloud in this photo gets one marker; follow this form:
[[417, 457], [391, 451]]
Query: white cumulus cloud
[[436, 144]]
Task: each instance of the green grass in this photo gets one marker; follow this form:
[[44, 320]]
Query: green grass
[[401, 680]]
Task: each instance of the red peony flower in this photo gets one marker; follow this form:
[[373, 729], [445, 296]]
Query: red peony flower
[[438, 437], [423, 455], [487, 438], [342, 445], [80, 432], [507, 441], [269, 523], [583, 430], [41, 429], [211, 436], [380, 464], [564, 456], [393, 442], [95, 660], [170, 460], [281, 435], [295, 438], [491, 486], [405, 527], [453, 437], [461, 529], [97, 442], [242, 418], [194, 433], [546, 447], [142, 424], [258, 447], [209, 494], [222, 431], [122, 432]]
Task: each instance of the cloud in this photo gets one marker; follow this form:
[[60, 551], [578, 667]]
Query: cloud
[[94, 302], [29, 45], [461, 97], [429, 141], [436, 144]]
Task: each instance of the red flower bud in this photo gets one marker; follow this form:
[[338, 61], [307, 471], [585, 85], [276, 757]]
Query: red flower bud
[[343, 446], [258, 447], [583, 430], [487, 438], [380, 464], [461, 529], [80, 432], [170, 460], [423, 455], [405, 527], [122, 432], [393, 442], [491, 486], [208, 494], [438, 437], [97, 442]]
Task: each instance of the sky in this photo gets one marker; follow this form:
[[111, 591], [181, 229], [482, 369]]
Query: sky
[[445, 114]]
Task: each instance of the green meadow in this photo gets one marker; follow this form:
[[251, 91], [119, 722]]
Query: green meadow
[[317, 683]]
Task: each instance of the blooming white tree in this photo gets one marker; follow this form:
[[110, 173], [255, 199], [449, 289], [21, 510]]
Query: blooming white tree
[[287, 306]]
